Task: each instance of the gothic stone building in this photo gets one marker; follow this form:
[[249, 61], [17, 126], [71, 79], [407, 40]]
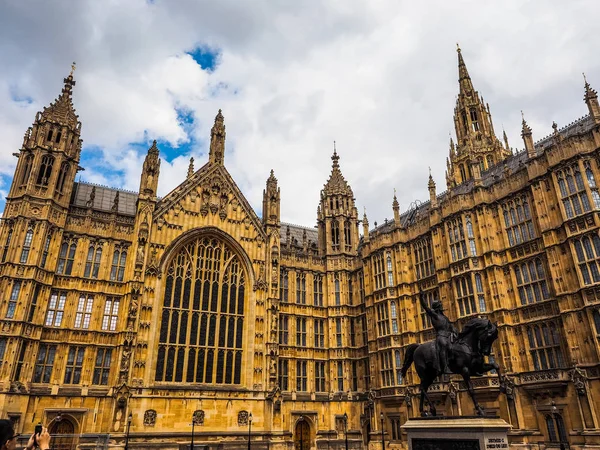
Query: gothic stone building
[[123, 311]]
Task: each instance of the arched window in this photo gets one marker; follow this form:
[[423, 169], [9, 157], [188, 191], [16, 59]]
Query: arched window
[[7, 245], [545, 346], [490, 161], [348, 235], [587, 250], [463, 174], [398, 367], [117, 271], [66, 257], [390, 272], [28, 162], [480, 294], [336, 282], [201, 330], [335, 235], [26, 246], [556, 428], [92, 263], [62, 176], [394, 314], [45, 170]]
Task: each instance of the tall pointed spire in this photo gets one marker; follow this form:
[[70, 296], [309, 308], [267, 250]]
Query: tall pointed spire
[[466, 86], [505, 139], [217, 140], [62, 110]]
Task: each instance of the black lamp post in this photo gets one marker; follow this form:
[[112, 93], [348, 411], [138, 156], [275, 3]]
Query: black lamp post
[[346, 429], [193, 425], [129, 419], [249, 428], [382, 436]]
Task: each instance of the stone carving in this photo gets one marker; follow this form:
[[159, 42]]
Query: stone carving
[[198, 417], [115, 206], [150, 418], [579, 378], [242, 418], [261, 282]]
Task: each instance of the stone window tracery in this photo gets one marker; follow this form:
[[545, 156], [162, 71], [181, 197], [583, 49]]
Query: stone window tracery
[[379, 271], [518, 221], [45, 170], [301, 331], [424, 264], [92, 263], [456, 236], [56, 309], [283, 285], [83, 315], [26, 246], [26, 170], [46, 249], [545, 346], [302, 376], [7, 244], [283, 376], [12, 302], [320, 376], [531, 282], [62, 177], [319, 333], [336, 285], [464, 295], [44, 363], [284, 324], [201, 330], [111, 314], [318, 290], [74, 365], [102, 366], [117, 270], [572, 191], [587, 250], [66, 257], [301, 288]]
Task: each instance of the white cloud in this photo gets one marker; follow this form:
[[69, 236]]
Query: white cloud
[[379, 77]]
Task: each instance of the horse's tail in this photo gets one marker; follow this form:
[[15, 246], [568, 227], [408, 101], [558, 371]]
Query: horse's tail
[[408, 358]]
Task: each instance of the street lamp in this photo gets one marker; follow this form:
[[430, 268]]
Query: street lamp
[[193, 424], [301, 432], [249, 428], [129, 419], [382, 436], [346, 429]]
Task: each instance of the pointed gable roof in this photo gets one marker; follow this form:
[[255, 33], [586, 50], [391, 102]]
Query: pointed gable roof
[[62, 110]]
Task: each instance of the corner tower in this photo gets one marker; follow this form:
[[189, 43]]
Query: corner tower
[[49, 157], [337, 215], [477, 147]]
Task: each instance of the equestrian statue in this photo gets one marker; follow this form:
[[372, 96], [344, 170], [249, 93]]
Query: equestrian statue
[[452, 352]]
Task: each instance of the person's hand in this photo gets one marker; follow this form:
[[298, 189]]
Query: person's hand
[[43, 439], [31, 443]]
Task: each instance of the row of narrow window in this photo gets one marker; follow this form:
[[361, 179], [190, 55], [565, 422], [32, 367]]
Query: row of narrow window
[[320, 378], [301, 295], [335, 235], [318, 332]]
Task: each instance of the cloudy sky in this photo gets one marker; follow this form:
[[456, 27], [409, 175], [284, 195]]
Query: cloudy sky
[[377, 76]]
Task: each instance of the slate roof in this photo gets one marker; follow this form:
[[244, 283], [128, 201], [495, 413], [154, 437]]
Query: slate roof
[[296, 232], [104, 198]]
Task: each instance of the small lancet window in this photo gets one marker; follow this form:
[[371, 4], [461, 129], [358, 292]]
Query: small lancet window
[[49, 137]]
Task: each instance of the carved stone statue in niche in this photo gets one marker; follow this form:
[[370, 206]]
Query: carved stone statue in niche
[[139, 258]]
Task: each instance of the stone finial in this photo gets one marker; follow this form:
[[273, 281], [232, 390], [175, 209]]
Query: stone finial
[[190, 171]]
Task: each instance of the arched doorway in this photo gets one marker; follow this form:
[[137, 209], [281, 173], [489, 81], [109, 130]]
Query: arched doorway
[[302, 435], [63, 435]]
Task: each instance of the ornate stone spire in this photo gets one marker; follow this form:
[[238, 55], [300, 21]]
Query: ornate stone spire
[[365, 223], [466, 86], [217, 140], [505, 139], [432, 192], [271, 201], [191, 168], [62, 110], [591, 99], [527, 137], [336, 184], [396, 209]]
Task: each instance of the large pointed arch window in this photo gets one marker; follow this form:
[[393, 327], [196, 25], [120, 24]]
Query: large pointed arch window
[[45, 170], [201, 330]]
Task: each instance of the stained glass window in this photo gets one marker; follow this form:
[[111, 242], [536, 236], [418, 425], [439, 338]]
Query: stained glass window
[[201, 328]]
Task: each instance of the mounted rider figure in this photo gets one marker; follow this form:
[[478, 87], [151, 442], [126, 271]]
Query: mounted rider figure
[[444, 331]]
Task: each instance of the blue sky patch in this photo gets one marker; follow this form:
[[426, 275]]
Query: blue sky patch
[[18, 97], [205, 57]]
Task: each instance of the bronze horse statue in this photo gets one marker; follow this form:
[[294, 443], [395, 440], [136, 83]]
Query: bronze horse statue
[[466, 358]]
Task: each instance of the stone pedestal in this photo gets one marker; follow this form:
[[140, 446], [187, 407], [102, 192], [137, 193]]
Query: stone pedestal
[[457, 433]]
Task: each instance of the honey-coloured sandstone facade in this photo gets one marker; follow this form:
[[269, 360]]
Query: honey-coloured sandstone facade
[[124, 313]]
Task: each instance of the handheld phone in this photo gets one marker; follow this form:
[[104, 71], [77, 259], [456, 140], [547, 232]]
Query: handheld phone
[[36, 432]]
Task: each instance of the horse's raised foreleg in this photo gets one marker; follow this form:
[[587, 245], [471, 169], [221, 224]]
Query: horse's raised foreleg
[[467, 377]]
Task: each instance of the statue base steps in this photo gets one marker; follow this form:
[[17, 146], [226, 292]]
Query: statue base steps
[[457, 433]]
